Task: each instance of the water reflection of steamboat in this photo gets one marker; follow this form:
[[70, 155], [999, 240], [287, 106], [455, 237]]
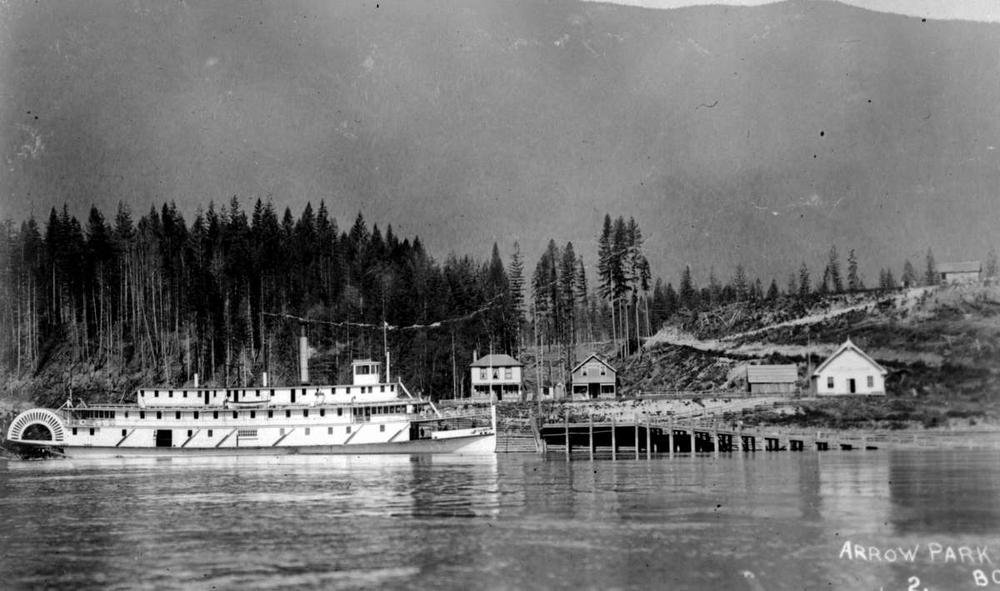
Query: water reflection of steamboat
[[369, 416]]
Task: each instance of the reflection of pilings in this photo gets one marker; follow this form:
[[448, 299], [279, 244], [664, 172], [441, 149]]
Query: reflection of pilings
[[566, 425], [614, 441], [590, 438]]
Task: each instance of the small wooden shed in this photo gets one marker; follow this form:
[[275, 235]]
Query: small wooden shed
[[772, 379], [962, 272]]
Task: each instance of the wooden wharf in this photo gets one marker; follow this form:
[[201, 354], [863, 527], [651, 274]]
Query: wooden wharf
[[643, 437]]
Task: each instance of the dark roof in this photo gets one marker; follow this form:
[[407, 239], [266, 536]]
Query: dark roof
[[772, 374], [848, 345], [960, 267], [593, 356], [495, 360]]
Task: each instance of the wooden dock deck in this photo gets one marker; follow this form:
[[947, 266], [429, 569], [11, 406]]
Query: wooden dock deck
[[640, 437]]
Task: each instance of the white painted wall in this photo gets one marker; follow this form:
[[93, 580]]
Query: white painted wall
[[209, 433], [846, 366], [515, 373]]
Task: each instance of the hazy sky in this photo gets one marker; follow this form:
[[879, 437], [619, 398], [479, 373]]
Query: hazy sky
[[973, 10], [759, 136]]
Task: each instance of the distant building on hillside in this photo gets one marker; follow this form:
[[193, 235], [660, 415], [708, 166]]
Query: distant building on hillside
[[849, 370], [772, 379], [496, 378], [963, 272], [594, 378]]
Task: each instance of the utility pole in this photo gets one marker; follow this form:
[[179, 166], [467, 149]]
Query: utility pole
[[454, 369], [538, 371]]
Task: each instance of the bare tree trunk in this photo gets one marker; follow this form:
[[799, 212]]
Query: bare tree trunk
[[225, 310], [265, 353], [649, 330], [614, 327], [638, 344], [18, 328], [211, 367]]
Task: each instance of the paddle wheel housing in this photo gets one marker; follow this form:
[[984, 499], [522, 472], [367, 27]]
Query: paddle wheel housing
[[37, 416]]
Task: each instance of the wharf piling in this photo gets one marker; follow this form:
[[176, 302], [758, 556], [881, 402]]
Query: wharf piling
[[644, 434], [615, 433]]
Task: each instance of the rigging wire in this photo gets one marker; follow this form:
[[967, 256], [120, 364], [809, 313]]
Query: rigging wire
[[386, 326]]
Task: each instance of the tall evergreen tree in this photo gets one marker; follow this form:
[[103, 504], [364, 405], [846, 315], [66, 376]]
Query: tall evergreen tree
[[502, 316], [991, 267], [582, 298], [909, 277], [772, 291], [805, 287], [515, 276], [605, 264], [659, 308], [687, 294], [714, 289], [671, 300], [792, 285], [854, 282], [741, 286], [567, 288], [619, 251], [833, 266], [930, 269], [823, 287]]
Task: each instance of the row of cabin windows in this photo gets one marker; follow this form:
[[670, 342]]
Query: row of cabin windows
[[367, 410], [829, 382], [604, 371], [508, 373], [94, 414], [238, 393], [245, 433]]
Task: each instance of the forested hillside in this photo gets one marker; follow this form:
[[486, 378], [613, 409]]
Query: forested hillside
[[158, 300], [96, 309]]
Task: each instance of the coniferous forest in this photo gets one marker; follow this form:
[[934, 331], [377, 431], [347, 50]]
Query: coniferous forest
[[157, 300], [227, 295]]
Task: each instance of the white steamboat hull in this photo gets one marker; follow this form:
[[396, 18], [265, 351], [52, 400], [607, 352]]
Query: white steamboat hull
[[470, 445]]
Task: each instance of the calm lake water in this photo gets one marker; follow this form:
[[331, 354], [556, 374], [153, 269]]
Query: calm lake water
[[763, 521]]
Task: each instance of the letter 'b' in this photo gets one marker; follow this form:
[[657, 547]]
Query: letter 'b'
[[980, 578]]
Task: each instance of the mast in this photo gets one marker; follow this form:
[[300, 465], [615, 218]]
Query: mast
[[385, 347]]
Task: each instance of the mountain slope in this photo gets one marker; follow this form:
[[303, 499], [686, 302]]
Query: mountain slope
[[784, 128]]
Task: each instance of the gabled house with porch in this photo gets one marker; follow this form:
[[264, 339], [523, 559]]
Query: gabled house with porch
[[849, 370], [594, 378], [496, 378]]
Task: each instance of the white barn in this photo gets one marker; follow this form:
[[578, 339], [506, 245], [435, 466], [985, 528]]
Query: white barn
[[849, 370]]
